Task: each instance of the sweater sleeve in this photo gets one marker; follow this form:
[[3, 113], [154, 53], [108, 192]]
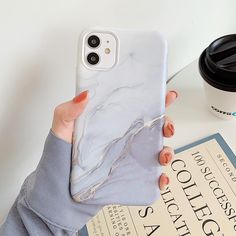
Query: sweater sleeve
[[44, 205]]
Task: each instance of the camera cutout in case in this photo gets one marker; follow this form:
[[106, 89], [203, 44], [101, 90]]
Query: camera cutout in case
[[100, 50]]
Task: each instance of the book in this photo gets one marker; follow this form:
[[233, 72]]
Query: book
[[199, 200]]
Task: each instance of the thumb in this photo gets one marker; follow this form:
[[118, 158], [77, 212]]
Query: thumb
[[66, 113]]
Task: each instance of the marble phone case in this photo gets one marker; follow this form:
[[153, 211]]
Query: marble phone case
[[119, 135]]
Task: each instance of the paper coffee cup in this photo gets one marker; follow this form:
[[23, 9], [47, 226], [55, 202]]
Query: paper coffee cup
[[217, 66]]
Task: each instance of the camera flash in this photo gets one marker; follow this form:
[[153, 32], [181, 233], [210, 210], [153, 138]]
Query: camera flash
[[107, 50]]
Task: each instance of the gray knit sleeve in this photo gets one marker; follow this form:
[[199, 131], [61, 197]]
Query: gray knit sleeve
[[44, 205]]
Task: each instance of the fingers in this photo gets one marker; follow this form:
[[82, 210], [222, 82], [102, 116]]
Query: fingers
[[168, 128], [171, 97], [66, 113], [166, 155]]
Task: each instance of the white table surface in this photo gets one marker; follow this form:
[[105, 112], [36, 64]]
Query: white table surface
[[191, 117]]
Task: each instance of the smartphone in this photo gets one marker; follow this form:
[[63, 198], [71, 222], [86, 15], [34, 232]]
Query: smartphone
[[117, 139]]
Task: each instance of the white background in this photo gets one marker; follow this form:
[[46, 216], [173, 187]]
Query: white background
[[38, 42]]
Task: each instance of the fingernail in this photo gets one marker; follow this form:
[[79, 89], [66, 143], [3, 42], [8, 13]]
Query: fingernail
[[165, 158], [165, 181], [81, 97], [176, 94], [168, 157], [171, 128]]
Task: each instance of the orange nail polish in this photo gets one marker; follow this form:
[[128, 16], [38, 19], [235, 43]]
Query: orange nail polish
[[167, 157], [167, 180], [161, 185], [81, 97], [171, 128]]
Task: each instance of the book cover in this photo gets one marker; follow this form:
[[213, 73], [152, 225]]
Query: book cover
[[200, 199]]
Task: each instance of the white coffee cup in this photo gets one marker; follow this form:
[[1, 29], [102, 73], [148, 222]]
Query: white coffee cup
[[217, 65]]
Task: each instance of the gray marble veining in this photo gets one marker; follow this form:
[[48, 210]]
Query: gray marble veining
[[119, 135]]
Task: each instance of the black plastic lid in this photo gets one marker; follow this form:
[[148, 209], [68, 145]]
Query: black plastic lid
[[217, 63]]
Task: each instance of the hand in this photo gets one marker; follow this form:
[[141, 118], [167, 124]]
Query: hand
[[66, 113]]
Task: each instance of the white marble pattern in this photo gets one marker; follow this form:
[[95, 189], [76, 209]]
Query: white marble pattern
[[118, 136]]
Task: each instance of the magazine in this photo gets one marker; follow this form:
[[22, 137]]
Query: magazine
[[200, 199]]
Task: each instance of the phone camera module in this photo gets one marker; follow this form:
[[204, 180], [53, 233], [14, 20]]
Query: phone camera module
[[93, 41], [93, 58]]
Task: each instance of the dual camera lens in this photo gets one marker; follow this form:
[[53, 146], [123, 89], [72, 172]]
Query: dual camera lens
[[93, 42]]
